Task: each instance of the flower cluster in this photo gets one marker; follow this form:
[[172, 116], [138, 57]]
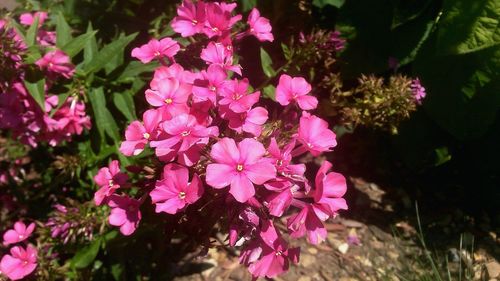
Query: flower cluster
[[22, 260], [216, 143], [52, 120]]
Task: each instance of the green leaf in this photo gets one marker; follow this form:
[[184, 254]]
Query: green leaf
[[62, 98], [31, 33], [468, 26], [442, 156], [90, 48], [73, 47], [86, 256], [125, 103], [323, 3], [247, 5], [32, 55], [104, 121], [135, 68], [63, 31], [269, 92], [267, 64], [108, 53], [37, 91]]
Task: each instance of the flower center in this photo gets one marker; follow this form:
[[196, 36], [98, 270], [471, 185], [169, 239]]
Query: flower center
[[212, 88], [194, 22], [279, 253], [21, 237], [237, 96], [146, 135], [310, 145], [185, 133], [182, 195], [157, 54], [279, 163], [111, 183], [215, 29], [168, 100], [239, 168]]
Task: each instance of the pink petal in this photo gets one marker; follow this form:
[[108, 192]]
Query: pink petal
[[220, 175], [242, 188]]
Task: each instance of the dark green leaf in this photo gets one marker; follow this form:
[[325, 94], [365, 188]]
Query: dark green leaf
[[73, 47], [31, 33], [442, 156], [468, 26], [62, 98], [90, 48], [267, 63], [134, 69], [104, 121], [323, 3], [108, 52], [37, 91], [247, 5], [63, 31], [125, 103], [86, 256], [269, 92]]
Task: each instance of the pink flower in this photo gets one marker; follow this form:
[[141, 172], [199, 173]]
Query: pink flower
[[236, 96], [217, 53], [279, 202], [250, 121], [219, 19], [190, 18], [174, 192], [239, 166], [183, 129], [171, 95], [295, 89], [109, 179], [125, 213], [20, 263], [138, 134], [29, 18], [18, 234], [276, 256], [307, 222], [314, 134], [330, 187], [260, 26], [282, 159], [418, 90], [212, 83], [56, 62], [154, 49], [172, 71]]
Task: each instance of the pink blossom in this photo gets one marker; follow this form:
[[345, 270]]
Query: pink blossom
[[295, 89], [279, 202], [235, 96], [154, 49], [307, 222], [219, 19], [217, 53], [109, 179], [418, 90], [240, 166], [260, 26], [314, 134], [210, 84], [250, 121], [18, 234], [183, 129], [275, 255], [29, 18], [139, 134], [282, 159], [330, 188], [172, 71], [190, 18], [173, 192], [125, 213], [171, 95], [56, 62], [20, 263]]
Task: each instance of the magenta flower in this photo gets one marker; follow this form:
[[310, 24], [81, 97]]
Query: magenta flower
[[173, 192], [279, 202], [282, 159], [212, 83], [235, 95], [330, 187], [240, 166], [184, 130], [18, 234], [260, 26], [171, 95], [295, 89], [190, 18], [219, 19], [307, 222], [275, 255], [172, 71], [250, 121], [20, 263], [418, 90], [125, 213], [138, 134], [56, 62], [154, 49], [109, 179], [217, 53], [29, 18], [314, 134]]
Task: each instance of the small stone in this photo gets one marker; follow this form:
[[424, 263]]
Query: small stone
[[312, 251], [307, 260], [343, 248], [304, 278], [493, 269]]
